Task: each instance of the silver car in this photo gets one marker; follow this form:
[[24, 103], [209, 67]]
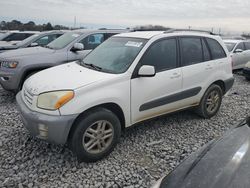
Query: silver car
[[17, 65], [240, 52], [39, 39]]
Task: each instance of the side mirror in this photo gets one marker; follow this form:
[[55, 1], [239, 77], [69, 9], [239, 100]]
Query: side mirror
[[238, 51], [77, 47], [34, 44], [146, 71]]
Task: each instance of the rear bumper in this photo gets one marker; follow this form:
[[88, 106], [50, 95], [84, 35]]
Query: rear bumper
[[229, 84], [54, 129], [246, 72]]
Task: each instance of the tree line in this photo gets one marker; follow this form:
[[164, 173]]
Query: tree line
[[29, 26]]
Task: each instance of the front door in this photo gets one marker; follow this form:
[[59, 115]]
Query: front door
[[153, 96]]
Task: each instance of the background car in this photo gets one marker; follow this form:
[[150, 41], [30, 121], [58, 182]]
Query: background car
[[39, 39], [240, 52], [246, 71], [16, 36], [17, 65], [219, 164]]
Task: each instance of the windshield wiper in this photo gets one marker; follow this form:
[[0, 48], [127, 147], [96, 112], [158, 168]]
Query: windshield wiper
[[92, 66]]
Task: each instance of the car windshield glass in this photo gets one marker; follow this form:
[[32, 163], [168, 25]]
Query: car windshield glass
[[63, 41], [115, 55], [27, 40], [230, 46]]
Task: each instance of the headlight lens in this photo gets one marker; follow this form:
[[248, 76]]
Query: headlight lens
[[54, 100], [9, 64]]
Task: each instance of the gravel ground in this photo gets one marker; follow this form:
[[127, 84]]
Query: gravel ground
[[146, 152]]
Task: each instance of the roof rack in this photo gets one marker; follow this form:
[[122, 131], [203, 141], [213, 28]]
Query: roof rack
[[192, 30]]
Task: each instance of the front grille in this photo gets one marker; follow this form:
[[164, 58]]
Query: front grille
[[28, 97]]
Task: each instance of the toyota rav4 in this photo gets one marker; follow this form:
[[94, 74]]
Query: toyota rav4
[[129, 78]]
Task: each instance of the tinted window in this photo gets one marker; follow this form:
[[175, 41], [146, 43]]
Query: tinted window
[[191, 50], [17, 36], [247, 45], [92, 41], [216, 49], [162, 55], [107, 35], [206, 53]]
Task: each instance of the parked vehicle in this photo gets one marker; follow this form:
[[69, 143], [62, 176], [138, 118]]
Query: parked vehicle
[[246, 71], [40, 39], [18, 65], [16, 36], [129, 78], [219, 164], [240, 52]]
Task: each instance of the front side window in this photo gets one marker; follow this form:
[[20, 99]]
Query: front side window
[[216, 49], [230, 46], [114, 55], [191, 50], [92, 41], [162, 55], [240, 46], [247, 45], [63, 41]]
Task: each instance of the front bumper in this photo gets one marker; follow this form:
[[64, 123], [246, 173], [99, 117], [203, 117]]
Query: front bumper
[[246, 72], [54, 129], [9, 81]]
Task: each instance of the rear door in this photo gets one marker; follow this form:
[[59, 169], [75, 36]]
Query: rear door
[[152, 96], [197, 67]]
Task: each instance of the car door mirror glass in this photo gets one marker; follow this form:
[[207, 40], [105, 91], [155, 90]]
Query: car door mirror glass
[[77, 47], [146, 71]]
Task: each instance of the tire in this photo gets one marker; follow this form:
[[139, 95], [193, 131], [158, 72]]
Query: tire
[[86, 134], [248, 78], [213, 95]]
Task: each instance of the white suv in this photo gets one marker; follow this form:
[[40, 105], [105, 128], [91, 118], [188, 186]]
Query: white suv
[[130, 78]]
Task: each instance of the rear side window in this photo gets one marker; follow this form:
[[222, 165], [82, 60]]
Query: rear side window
[[162, 55], [191, 49], [216, 49], [206, 52]]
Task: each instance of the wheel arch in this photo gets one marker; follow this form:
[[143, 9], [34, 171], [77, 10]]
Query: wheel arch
[[113, 107]]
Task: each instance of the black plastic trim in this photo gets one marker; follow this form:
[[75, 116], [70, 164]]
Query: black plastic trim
[[229, 84], [170, 99]]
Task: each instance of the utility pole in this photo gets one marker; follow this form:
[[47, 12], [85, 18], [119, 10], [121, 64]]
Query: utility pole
[[75, 22]]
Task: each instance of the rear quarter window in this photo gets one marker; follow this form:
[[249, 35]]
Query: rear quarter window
[[216, 49]]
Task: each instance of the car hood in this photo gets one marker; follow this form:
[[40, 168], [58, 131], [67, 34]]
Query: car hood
[[68, 76], [22, 52], [221, 164]]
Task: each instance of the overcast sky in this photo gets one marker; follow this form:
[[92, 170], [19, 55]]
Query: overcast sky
[[226, 14]]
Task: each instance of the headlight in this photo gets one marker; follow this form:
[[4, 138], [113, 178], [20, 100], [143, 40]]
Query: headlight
[[9, 64], [54, 100]]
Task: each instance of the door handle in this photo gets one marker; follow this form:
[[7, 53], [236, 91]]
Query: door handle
[[175, 75], [209, 67]]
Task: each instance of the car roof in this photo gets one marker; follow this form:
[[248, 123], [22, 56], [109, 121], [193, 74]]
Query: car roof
[[150, 34], [233, 41], [89, 31]]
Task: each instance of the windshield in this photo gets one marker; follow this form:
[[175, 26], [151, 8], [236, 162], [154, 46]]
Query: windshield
[[63, 41], [115, 55], [230, 46]]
